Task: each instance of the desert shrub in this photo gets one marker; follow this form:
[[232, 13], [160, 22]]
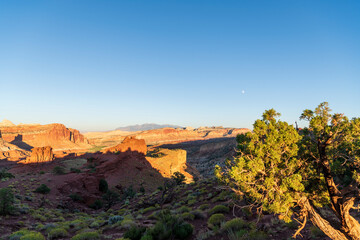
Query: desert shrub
[[76, 197], [215, 220], [184, 209], [43, 189], [4, 175], [98, 204], [219, 209], [75, 170], [170, 227], [86, 236], [146, 237], [142, 189], [59, 170], [204, 206], [103, 185], [235, 224], [179, 178], [6, 201], [110, 197], [42, 172], [33, 236], [57, 233], [183, 231], [129, 193], [26, 235], [188, 216], [149, 209], [115, 219], [135, 233]]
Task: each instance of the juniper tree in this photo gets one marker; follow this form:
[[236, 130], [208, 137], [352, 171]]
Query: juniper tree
[[296, 173]]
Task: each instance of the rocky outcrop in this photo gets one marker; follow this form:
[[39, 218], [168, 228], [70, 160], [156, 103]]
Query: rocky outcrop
[[40, 155], [171, 161], [11, 152], [129, 144], [55, 135]]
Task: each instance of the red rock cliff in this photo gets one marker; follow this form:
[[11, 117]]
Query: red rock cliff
[[54, 135]]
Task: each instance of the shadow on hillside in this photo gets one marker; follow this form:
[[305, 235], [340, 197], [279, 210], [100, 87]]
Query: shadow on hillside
[[121, 170], [203, 155], [18, 141]]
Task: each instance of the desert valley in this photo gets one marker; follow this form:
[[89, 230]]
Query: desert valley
[[118, 185]]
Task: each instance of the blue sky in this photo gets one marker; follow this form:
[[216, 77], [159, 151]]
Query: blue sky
[[98, 65]]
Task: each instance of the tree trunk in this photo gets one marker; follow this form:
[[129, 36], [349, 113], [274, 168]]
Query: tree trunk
[[350, 225], [320, 222]]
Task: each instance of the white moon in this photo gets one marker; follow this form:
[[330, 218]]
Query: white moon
[[243, 91]]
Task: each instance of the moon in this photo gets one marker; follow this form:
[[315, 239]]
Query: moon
[[243, 91]]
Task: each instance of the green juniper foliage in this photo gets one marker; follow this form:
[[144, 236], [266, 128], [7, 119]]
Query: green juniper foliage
[[279, 168]]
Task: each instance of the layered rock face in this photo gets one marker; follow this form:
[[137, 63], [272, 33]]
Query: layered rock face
[[129, 144], [55, 135], [173, 161], [40, 155]]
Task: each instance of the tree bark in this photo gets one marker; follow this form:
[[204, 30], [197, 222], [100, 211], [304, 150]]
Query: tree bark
[[320, 222]]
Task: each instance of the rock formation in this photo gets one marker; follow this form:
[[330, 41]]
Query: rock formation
[[172, 161], [164, 135], [55, 135], [129, 144], [40, 155]]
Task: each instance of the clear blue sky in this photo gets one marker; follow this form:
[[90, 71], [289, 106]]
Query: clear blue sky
[[98, 65]]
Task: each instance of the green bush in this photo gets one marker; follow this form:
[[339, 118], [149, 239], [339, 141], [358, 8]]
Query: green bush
[[219, 209], [235, 224], [188, 216], [170, 227], [129, 192], [33, 236], [103, 185], [86, 236], [76, 197], [26, 235], [135, 233], [98, 204], [146, 237], [215, 220], [57, 233], [5, 175], [179, 178], [6, 201], [75, 170], [204, 206], [43, 189], [59, 170], [183, 209], [183, 231]]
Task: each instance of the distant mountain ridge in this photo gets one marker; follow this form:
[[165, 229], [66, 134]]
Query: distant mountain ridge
[[146, 126]]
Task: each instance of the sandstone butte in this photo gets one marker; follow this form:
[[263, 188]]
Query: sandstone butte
[[129, 144], [55, 135], [164, 135], [39, 155]]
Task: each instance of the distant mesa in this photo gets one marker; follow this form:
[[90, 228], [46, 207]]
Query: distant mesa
[[145, 127], [6, 123]]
